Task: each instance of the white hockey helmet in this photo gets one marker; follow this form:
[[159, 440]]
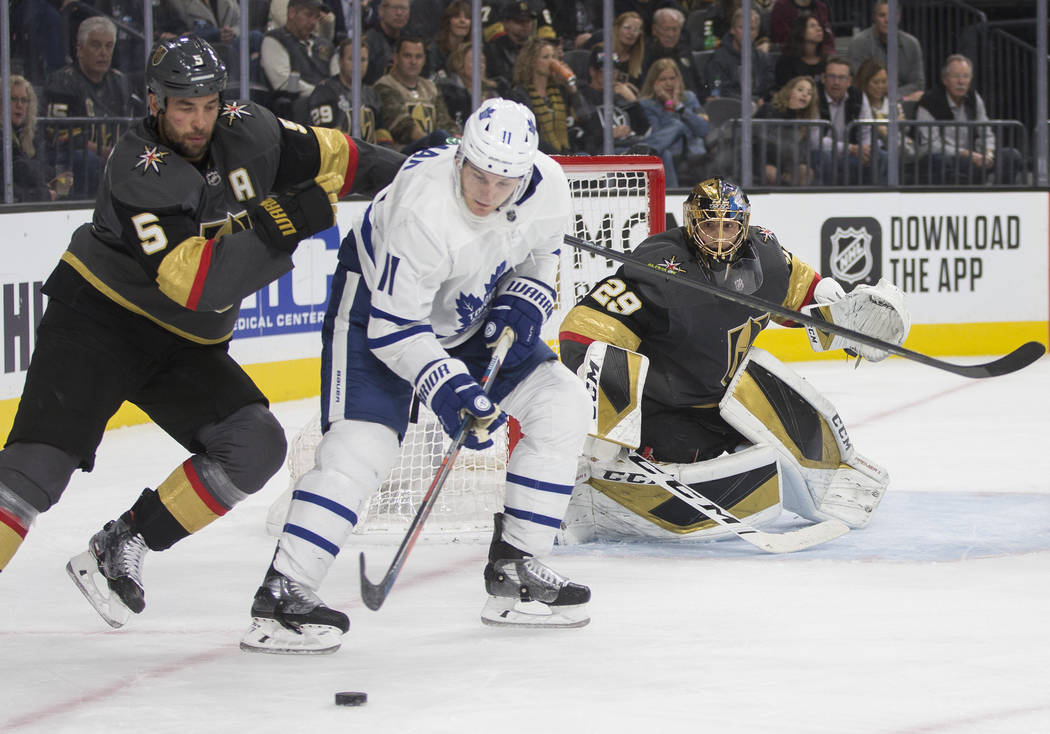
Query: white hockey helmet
[[500, 137]]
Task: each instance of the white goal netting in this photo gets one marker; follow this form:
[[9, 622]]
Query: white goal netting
[[617, 202]]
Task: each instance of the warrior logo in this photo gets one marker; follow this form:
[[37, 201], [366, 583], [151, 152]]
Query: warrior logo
[[851, 250]]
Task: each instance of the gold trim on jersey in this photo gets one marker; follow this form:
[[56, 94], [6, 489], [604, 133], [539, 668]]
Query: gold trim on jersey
[[85, 272], [335, 151], [751, 396], [801, 278], [599, 326], [642, 499], [179, 270]]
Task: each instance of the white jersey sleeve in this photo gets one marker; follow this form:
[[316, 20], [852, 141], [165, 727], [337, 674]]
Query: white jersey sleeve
[[433, 268]]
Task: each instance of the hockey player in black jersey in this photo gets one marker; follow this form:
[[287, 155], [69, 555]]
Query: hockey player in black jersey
[[721, 414], [202, 203]]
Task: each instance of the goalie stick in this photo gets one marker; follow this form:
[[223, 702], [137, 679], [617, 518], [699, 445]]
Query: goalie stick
[[792, 540], [374, 595], [1019, 358]]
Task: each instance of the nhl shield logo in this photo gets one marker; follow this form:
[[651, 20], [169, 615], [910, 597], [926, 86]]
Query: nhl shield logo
[[851, 250]]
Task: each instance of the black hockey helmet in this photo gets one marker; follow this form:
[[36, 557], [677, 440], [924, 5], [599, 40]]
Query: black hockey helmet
[[720, 201], [184, 67]]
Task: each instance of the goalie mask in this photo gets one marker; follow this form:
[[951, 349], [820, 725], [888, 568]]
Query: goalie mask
[[500, 137], [717, 214], [184, 67]]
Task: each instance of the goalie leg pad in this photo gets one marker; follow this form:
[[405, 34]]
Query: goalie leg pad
[[768, 403], [351, 461], [614, 378], [618, 503]]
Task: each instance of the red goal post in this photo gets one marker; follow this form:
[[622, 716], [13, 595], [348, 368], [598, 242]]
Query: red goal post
[[618, 201]]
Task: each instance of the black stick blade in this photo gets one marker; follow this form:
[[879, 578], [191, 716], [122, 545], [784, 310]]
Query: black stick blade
[[373, 595], [1018, 359]]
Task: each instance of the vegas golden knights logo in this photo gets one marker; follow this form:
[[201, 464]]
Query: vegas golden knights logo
[[232, 223], [738, 341], [423, 115]]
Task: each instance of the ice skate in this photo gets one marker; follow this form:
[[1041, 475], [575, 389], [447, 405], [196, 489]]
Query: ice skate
[[524, 592], [290, 619], [109, 572]]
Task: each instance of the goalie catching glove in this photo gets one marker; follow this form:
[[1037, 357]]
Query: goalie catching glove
[[283, 220], [524, 305], [450, 392], [877, 311]]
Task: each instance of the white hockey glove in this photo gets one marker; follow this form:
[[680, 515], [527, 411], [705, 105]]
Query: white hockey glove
[[523, 304], [877, 311], [450, 392]]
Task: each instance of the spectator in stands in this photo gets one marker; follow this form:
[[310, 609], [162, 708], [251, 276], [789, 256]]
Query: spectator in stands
[[872, 80], [453, 31], [962, 154], [331, 102], [784, 152], [455, 82], [30, 172], [803, 54], [870, 43], [502, 49], [842, 159], [722, 72], [667, 42], [630, 124], [629, 45], [554, 99], [425, 18], [784, 13], [391, 18], [294, 57], [720, 13], [576, 20], [413, 108], [278, 16], [89, 87], [678, 123], [37, 49]]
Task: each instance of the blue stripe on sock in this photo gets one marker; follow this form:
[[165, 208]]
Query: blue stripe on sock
[[533, 517], [315, 499], [311, 537], [537, 484]]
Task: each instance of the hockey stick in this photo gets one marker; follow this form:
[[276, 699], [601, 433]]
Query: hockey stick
[[793, 540], [1019, 358], [375, 594]]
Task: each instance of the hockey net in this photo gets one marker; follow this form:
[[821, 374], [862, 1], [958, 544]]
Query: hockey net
[[617, 202]]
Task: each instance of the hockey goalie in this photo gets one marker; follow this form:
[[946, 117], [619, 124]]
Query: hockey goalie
[[675, 380]]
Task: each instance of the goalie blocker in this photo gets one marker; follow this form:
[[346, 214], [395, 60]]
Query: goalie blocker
[[801, 457]]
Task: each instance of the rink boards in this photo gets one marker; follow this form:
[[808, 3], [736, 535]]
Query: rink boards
[[973, 266]]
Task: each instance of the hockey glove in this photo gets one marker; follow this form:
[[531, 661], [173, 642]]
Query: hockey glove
[[876, 311], [450, 392], [523, 304], [283, 220]]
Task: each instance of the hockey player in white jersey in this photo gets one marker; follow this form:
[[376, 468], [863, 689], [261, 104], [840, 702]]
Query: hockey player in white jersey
[[463, 243]]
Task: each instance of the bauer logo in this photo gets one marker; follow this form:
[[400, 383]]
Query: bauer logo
[[851, 250]]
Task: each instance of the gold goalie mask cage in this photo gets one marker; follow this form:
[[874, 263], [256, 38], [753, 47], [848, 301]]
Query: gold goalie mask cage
[[717, 214]]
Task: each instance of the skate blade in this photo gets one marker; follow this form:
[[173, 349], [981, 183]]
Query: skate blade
[[270, 636], [506, 612], [83, 569]]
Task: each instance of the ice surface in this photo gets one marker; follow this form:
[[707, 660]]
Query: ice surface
[[935, 619]]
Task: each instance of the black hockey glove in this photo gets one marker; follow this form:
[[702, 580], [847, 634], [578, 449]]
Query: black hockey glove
[[283, 220]]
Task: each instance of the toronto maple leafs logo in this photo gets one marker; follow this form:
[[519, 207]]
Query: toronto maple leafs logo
[[235, 111], [470, 308], [151, 158]]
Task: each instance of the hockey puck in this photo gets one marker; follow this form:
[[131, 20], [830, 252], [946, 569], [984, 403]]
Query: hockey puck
[[351, 698]]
